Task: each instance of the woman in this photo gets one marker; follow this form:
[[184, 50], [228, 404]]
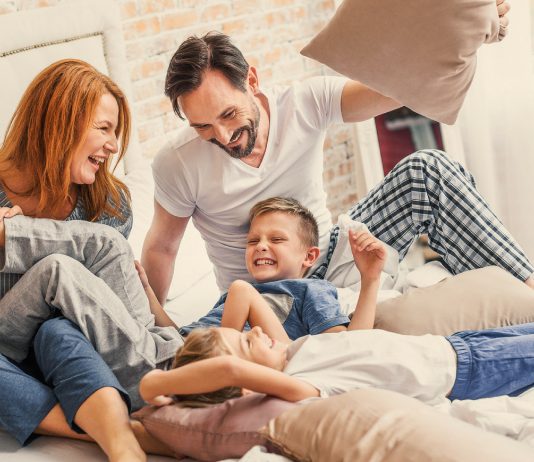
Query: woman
[[54, 164]]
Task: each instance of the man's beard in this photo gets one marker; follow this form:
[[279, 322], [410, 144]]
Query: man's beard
[[252, 130]]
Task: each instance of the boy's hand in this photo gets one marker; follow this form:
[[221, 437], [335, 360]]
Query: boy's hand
[[369, 253], [142, 274]]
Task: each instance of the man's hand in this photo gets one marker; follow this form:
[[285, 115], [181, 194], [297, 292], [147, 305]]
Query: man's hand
[[7, 212], [503, 7], [369, 253]]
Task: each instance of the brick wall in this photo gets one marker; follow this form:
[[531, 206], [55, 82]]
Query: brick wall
[[269, 32]]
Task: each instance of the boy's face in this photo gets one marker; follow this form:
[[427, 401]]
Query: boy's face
[[275, 250]]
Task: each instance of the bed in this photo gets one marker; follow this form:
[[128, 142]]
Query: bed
[[91, 30]]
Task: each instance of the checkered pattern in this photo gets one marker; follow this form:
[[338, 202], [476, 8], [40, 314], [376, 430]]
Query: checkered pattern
[[429, 193]]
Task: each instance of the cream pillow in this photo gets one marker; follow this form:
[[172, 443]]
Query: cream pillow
[[478, 299], [420, 52], [384, 426]]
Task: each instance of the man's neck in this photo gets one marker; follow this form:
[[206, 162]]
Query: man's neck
[[255, 158]]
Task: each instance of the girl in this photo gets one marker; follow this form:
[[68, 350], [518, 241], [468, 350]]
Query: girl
[[216, 364]]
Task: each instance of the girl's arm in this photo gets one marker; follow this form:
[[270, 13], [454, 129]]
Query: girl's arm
[[223, 371], [244, 303]]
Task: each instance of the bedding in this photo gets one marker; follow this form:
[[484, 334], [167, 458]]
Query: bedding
[[426, 61]]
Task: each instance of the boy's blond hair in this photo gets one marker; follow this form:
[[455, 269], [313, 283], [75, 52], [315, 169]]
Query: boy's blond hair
[[309, 230], [203, 343]]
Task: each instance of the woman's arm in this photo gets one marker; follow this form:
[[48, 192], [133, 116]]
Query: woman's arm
[[244, 303], [223, 371]]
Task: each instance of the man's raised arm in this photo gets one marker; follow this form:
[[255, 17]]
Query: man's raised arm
[[160, 248]]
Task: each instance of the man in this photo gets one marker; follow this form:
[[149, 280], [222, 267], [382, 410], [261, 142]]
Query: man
[[244, 145]]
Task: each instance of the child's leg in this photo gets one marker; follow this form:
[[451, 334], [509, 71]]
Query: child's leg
[[493, 362], [244, 303], [129, 347], [100, 248]]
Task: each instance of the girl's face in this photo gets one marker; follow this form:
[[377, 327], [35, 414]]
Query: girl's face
[[255, 346], [100, 142]]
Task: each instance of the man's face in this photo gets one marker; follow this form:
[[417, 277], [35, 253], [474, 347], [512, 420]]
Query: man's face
[[222, 114]]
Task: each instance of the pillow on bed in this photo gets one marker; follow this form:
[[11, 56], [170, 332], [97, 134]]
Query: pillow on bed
[[380, 425], [477, 299], [420, 52], [217, 432]]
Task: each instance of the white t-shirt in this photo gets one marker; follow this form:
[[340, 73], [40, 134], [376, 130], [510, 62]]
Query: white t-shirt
[[423, 367], [196, 178]]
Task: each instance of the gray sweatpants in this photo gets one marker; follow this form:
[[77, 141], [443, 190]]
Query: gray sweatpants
[[85, 272]]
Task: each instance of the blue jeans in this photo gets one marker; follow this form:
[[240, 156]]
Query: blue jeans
[[65, 368], [493, 362]]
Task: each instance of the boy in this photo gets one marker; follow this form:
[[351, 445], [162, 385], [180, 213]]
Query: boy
[[282, 244]]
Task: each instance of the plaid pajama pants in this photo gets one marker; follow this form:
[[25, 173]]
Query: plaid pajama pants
[[427, 192]]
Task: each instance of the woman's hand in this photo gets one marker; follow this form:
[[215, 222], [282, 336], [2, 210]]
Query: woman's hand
[[369, 253], [7, 212]]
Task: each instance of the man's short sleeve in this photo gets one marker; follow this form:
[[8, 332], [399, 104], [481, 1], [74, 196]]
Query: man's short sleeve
[[320, 100], [173, 189], [320, 307]]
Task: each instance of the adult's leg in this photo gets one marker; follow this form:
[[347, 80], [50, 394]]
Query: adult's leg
[[100, 248], [58, 282], [429, 193], [91, 397], [24, 400], [493, 362]]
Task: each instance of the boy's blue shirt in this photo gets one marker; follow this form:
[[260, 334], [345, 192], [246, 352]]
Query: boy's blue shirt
[[304, 306]]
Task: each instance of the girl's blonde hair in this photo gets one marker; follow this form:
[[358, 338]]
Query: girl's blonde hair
[[48, 126], [203, 343]]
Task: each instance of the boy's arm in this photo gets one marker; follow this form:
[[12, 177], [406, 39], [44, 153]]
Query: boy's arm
[[223, 371], [162, 319], [244, 303], [369, 256]]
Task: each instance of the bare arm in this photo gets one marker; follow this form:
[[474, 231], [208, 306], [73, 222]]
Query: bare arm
[[162, 319], [359, 103], [244, 303], [160, 248], [223, 371]]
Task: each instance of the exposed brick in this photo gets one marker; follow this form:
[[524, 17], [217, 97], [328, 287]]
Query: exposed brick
[[183, 18], [141, 28], [151, 67], [128, 9], [216, 12], [155, 6], [242, 7], [7, 7]]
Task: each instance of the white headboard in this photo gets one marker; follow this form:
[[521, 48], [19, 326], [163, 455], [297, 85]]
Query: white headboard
[[84, 29]]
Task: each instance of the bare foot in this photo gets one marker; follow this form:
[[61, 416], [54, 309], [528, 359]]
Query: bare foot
[[530, 282]]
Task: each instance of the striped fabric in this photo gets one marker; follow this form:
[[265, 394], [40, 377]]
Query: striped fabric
[[8, 280], [429, 193]]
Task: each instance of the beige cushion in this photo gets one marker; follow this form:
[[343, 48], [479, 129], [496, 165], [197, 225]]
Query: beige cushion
[[477, 299], [218, 432], [383, 426], [420, 52]]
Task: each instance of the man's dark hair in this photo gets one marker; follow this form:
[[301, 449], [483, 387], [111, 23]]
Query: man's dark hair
[[195, 56]]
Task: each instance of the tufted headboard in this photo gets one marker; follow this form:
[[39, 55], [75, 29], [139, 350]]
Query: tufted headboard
[[31, 40]]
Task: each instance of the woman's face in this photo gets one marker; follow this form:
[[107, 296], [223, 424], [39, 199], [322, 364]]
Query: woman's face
[[100, 142]]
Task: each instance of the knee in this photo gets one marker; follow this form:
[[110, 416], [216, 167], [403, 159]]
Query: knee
[[114, 241], [429, 157], [55, 262], [53, 333]]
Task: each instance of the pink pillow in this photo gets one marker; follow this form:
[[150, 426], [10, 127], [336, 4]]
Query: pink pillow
[[217, 432], [420, 52]]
